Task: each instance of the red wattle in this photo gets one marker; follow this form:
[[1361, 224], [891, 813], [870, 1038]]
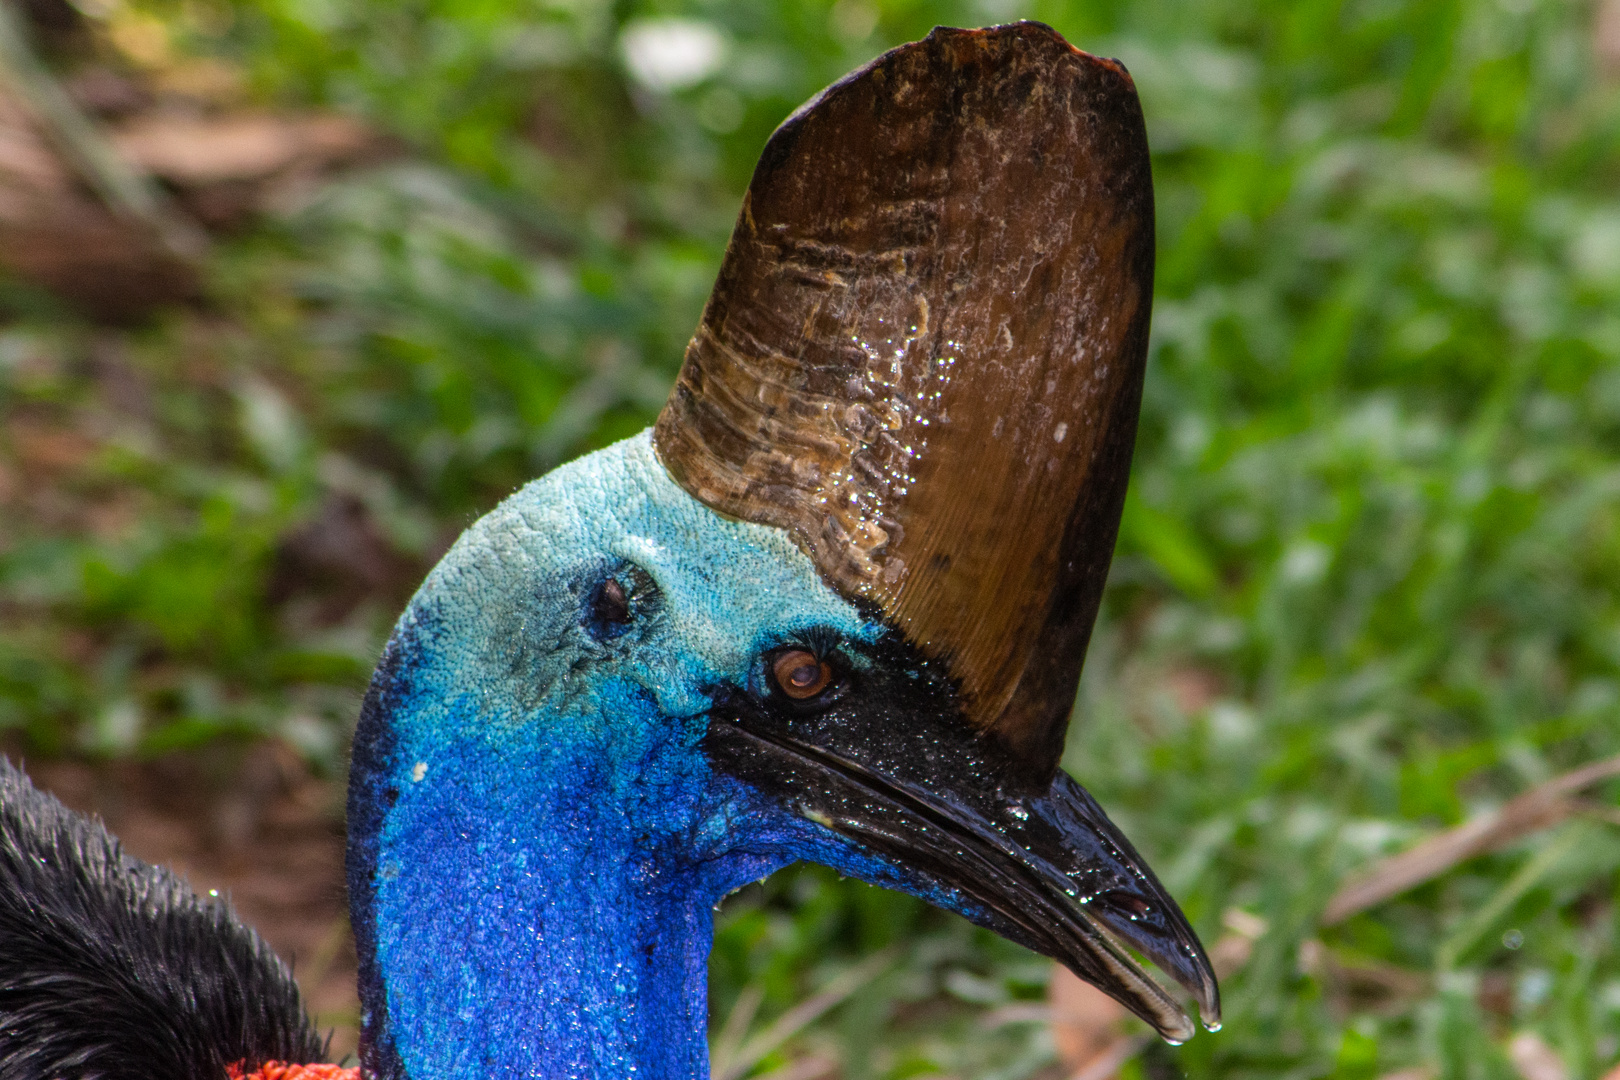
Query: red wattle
[[280, 1070]]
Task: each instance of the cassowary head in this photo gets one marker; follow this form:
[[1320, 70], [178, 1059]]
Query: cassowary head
[[832, 607]]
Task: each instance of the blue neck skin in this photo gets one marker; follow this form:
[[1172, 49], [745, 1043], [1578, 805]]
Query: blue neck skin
[[561, 935], [536, 840]]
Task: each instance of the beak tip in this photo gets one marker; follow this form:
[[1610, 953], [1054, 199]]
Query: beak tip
[[1177, 1026], [1177, 1030], [1209, 1004]]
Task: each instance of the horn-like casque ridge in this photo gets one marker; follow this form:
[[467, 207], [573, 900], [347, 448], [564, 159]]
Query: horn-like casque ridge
[[923, 355]]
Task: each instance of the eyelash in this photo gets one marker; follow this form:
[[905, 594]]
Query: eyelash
[[823, 641]]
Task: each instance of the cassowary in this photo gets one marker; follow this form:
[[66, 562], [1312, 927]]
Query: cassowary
[[831, 607]]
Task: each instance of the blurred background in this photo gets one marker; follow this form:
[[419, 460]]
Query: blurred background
[[292, 290]]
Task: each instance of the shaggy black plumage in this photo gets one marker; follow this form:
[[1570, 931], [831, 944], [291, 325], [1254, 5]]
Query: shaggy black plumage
[[111, 969]]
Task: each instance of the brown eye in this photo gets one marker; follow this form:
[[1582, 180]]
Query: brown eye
[[800, 674]]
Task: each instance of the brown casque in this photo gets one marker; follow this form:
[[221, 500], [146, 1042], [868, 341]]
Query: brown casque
[[923, 355]]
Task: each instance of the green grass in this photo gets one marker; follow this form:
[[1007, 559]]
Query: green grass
[[1367, 582]]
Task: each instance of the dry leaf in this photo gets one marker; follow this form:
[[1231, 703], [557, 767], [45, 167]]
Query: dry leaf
[[1236, 946], [809, 1067], [114, 252], [1193, 688], [1417, 1072], [1534, 1059], [1606, 43], [1086, 1023], [26, 160], [195, 151], [1541, 806], [80, 213]]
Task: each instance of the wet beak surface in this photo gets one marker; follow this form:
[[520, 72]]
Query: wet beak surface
[[1044, 868]]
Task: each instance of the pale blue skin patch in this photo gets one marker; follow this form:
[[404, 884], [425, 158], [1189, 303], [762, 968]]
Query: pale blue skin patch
[[547, 836]]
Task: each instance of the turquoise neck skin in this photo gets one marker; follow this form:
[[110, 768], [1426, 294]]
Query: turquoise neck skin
[[536, 838]]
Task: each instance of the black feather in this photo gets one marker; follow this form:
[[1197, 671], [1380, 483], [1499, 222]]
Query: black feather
[[111, 969]]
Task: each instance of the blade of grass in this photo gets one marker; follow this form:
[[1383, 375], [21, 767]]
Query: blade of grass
[[1525, 879], [735, 1028], [1541, 807], [804, 1014]]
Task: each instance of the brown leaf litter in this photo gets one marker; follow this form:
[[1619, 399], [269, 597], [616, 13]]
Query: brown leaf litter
[[112, 218]]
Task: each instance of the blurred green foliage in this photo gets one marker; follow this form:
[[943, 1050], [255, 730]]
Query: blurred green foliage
[[1367, 582]]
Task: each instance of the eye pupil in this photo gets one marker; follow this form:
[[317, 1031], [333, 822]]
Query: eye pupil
[[801, 674], [608, 615], [613, 606]]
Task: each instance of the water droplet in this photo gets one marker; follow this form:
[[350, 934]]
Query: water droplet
[[1512, 939]]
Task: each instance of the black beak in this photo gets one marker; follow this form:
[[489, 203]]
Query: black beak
[[888, 763]]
